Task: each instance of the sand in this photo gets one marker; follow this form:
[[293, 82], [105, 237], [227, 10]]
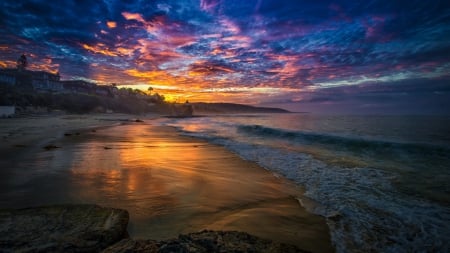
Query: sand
[[170, 184]]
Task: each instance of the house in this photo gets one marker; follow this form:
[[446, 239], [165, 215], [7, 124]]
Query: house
[[42, 81], [45, 81], [17, 77], [7, 76], [27, 79]]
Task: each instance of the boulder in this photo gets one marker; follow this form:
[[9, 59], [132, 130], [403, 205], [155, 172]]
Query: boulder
[[62, 228], [204, 241], [91, 228]]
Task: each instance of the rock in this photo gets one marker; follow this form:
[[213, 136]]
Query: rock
[[91, 228], [204, 241], [62, 228], [50, 147], [70, 134], [129, 245]]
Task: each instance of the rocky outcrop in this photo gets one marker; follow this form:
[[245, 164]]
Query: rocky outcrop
[[62, 228], [205, 241], [91, 228]]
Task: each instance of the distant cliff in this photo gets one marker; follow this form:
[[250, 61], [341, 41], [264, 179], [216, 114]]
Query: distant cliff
[[233, 108]]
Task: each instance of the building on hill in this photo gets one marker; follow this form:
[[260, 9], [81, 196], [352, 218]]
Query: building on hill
[[45, 81], [8, 77], [16, 77], [79, 86], [27, 79]]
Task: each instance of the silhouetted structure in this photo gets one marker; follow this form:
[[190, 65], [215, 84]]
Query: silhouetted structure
[[182, 110], [8, 76], [45, 81], [22, 62]]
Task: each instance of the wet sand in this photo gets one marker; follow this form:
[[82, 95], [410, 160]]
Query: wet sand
[[169, 183], [36, 130]]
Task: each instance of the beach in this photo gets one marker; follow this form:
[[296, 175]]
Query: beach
[[373, 177], [169, 183]]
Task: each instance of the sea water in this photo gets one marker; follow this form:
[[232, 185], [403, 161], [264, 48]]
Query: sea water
[[382, 182]]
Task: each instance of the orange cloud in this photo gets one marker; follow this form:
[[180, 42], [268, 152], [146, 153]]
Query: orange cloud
[[124, 51], [38, 64], [45, 66], [133, 16], [159, 77], [4, 64], [111, 24], [99, 49], [162, 77]]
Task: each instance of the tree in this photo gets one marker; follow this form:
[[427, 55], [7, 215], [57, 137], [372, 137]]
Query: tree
[[22, 62]]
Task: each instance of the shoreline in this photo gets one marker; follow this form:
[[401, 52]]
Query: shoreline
[[32, 130], [276, 209]]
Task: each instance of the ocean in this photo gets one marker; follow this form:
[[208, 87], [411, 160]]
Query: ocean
[[382, 182]]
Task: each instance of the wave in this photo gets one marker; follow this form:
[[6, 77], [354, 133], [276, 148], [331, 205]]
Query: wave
[[364, 210], [349, 143]]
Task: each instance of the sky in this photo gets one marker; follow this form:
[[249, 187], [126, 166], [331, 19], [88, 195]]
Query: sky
[[374, 56]]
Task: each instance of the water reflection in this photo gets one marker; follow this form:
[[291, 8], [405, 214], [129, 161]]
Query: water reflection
[[169, 184]]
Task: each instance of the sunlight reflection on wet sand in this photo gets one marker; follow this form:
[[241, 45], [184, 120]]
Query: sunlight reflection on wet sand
[[172, 184]]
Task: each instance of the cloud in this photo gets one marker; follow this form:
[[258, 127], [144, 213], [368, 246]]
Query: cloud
[[210, 68], [214, 44], [133, 16], [420, 96], [111, 24]]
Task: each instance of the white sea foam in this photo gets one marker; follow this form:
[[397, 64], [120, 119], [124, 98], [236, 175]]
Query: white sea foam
[[364, 210]]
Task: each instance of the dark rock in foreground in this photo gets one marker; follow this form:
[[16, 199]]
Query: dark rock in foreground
[[205, 241], [63, 228], [91, 228]]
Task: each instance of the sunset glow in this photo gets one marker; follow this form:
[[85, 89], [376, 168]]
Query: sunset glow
[[253, 52]]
